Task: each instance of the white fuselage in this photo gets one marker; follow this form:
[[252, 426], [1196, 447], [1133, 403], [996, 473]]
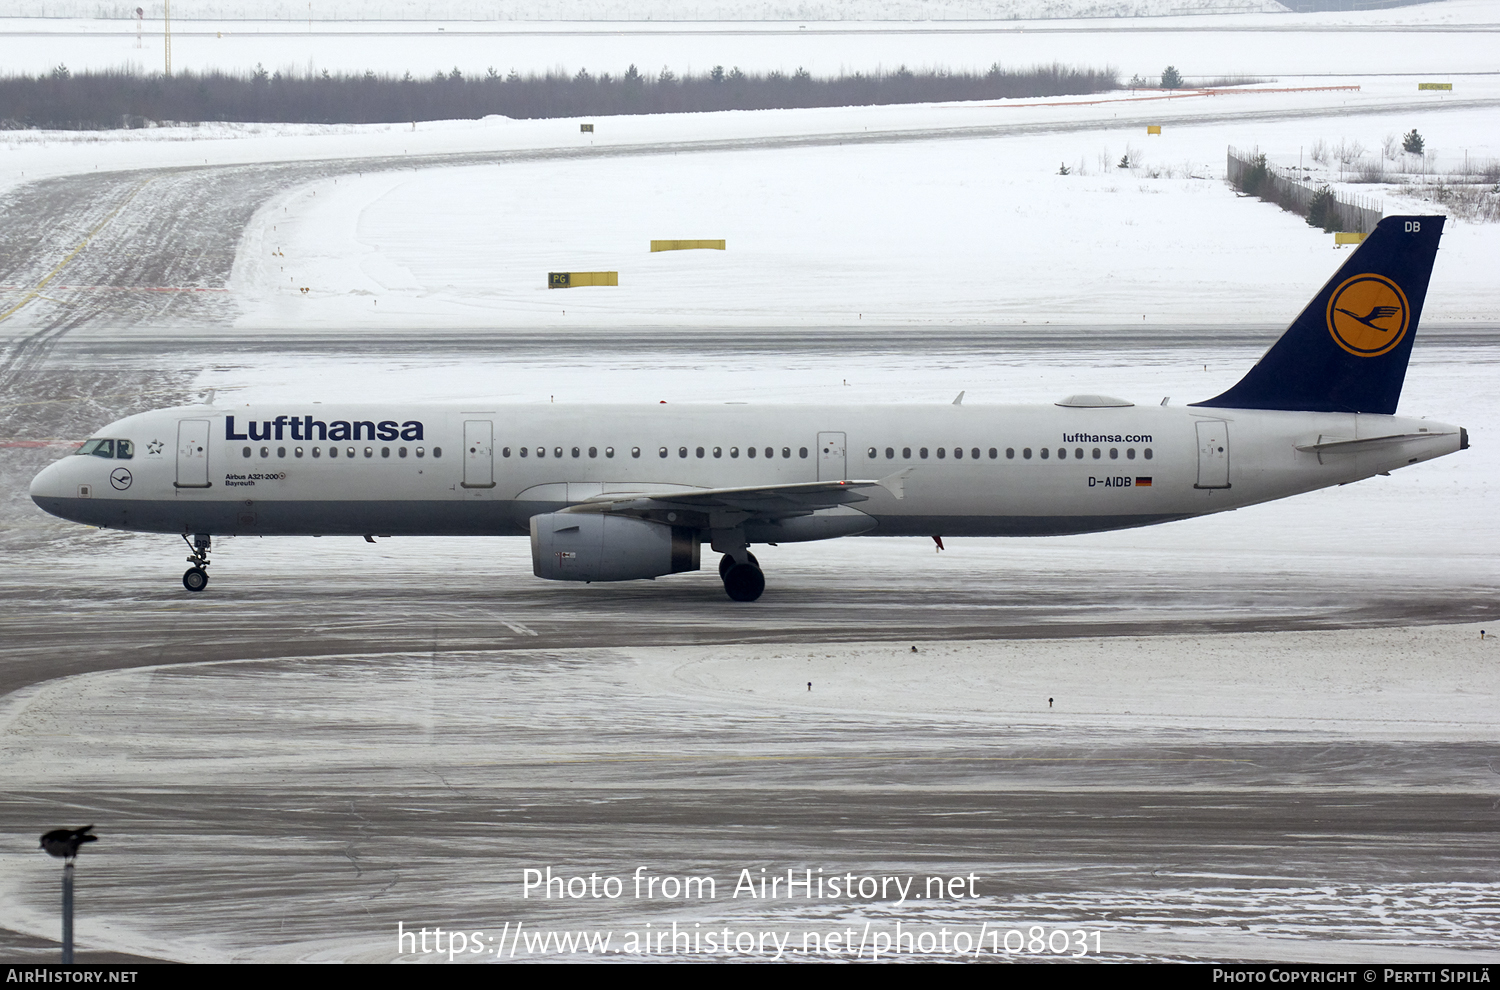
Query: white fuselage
[[447, 469]]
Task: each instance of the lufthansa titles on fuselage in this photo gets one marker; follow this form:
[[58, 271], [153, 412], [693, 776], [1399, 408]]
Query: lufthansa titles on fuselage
[[307, 428], [1106, 438]]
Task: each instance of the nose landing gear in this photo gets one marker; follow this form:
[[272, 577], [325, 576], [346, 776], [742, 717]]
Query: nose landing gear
[[196, 577]]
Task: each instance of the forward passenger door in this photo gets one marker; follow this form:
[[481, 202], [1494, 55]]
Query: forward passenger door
[[832, 464], [192, 453], [479, 454]]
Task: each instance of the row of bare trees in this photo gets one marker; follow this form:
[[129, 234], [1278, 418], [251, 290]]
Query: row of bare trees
[[102, 100]]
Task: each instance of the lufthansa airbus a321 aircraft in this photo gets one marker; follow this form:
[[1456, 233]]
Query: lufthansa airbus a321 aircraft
[[616, 493]]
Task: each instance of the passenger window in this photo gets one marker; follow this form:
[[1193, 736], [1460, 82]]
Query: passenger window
[[369, 451], [298, 452], [635, 452], [317, 451], [786, 452], [770, 452], [890, 453], [332, 451], [1045, 453], [1096, 453], [556, 452], [524, 451], [1114, 454], [749, 451], [437, 452], [941, 453], [1078, 453], [124, 450], [576, 452], [593, 451], [718, 451], [734, 451], [541, 452], [265, 451], [975, 453], [420, 452], [609, 451], [922, 453], [351, 451], [1062, 453], [281, 452], [504, 451], [699, 452], [247, 451], [958, 453], [401, 451], [1147, 452], [872, 453], [1130, 454], [681, 451], [1026, 452], [802, 452], [994, 453], [662, 452]]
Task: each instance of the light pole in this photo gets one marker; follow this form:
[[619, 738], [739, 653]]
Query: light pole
[[63, 843]]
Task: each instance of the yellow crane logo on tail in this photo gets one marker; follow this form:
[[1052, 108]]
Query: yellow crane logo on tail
[[1368, 315]]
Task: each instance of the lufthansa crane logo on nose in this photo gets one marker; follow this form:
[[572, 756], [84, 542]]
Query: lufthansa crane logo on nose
[[120, 478], [1368, 315]]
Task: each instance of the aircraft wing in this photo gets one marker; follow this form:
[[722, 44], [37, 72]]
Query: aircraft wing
[[766, 501]]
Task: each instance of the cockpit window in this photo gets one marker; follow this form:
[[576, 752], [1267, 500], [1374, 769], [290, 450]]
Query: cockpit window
[[99, 448], [122, 449]]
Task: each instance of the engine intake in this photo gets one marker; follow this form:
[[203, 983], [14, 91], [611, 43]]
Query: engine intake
[[594, 546]]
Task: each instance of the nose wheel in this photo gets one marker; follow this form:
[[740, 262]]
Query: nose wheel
[[196, 577]]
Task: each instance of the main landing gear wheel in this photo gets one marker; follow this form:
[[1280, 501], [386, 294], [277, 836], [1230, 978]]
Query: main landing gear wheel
[[744, 582], [726, 562], [196, 579]]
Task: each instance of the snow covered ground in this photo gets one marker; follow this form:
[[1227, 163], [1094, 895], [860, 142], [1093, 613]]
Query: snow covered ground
[[514, 728], [926, 233], [1444, 39], [631, 10], [973, 226]]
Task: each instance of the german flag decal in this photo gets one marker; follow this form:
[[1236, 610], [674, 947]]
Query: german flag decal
[[1143, 482]]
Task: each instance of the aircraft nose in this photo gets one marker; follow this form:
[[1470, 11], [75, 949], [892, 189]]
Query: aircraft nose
[[48, 484]]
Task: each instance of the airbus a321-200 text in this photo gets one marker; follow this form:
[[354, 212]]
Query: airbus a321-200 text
[[617, 493]]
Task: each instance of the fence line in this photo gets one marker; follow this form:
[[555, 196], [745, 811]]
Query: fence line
[[1352, 214]]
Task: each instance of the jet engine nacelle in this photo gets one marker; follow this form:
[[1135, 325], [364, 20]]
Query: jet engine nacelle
[[596, 546]]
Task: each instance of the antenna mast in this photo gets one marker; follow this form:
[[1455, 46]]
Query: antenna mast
[[168, 21]]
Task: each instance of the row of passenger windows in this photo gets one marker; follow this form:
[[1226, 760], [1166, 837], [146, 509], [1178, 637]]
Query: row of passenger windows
[[1010, 453], [768, 452], [334, 451]]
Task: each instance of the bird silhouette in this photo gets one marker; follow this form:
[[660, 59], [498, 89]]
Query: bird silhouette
[[63, 843], [1376, 313]]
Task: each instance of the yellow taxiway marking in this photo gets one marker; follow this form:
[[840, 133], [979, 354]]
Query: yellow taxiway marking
[[36, 290]]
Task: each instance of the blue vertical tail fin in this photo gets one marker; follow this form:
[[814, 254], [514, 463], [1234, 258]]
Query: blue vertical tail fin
[[1348, 350]]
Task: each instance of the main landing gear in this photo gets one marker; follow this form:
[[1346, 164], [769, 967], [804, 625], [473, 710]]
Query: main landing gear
[[196, 577], [743, 582]]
